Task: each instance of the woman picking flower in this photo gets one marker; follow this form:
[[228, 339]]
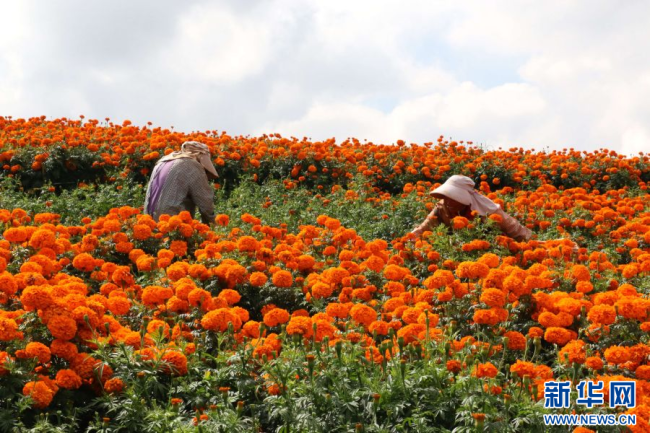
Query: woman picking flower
[[459, 198]]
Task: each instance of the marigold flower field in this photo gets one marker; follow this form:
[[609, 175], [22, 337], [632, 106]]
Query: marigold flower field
[[306, 306]]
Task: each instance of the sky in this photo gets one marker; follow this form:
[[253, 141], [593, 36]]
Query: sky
[[538, 75]]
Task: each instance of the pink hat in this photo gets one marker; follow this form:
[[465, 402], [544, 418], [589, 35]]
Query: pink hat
[[457, 188], [461, 189]]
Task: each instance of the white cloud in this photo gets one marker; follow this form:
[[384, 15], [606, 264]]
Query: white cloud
[[216, 46], [552, 74], [635, 140], [462, 108]]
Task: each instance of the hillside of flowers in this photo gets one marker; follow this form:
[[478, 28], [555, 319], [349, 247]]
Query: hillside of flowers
[[306, 306]]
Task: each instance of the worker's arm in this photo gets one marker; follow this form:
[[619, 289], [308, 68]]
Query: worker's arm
[[202, 193], [431, 221], [512, 228]]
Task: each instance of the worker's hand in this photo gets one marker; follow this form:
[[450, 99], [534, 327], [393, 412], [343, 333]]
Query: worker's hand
[[417, 232]]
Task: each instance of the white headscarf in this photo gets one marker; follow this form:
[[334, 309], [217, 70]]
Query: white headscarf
[[196, 150], [461, 189]]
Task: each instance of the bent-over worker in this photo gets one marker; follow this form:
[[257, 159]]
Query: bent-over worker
[[179, 182]]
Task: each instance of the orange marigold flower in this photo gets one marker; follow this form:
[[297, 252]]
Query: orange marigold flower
[[142, 232], [219, 319], [573, 352], [378, 327], [335, 275], [119, 306], [439, 279], [594, 363], [337, 310], [374, 263], [230, 296], [36, 298], [276, 317], [559, 336], [84, 262], [363, 314], [411, 314], [68, 379], [63, 349], [62, 327], [642, 372], [122, 276], [459, 222], [322, 290], [40, 393], [523, 369], [516, 340], [251, 329], [9, 329], [4, 357], [396, 273], [472, 270], [222, 220], [250, 219], [8, 284], [632, 308], [282, 279], [42, 238], [15, 235], [300, 325], [490, 259], [197, 297], [236, 274], [324, 329], [602, 314], [617, 355], [580, 273], [158, 326], [475, 245], [494, 298], [38, 350], [412, 332], [258, 279], [114, 386], [177, 270], [177, 305], [453, 366], [490, 317], [176, 363], [247, 243], [485, 370], [584, 286], [535, 332], [178, 247], [305, 262], [155, 295]]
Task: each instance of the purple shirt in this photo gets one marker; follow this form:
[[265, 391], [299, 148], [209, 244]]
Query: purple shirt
[[159, 177]]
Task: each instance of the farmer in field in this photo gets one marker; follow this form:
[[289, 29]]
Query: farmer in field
[[179, 182], [459, 198]]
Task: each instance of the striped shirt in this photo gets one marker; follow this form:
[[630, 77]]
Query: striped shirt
[[179, 185]]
